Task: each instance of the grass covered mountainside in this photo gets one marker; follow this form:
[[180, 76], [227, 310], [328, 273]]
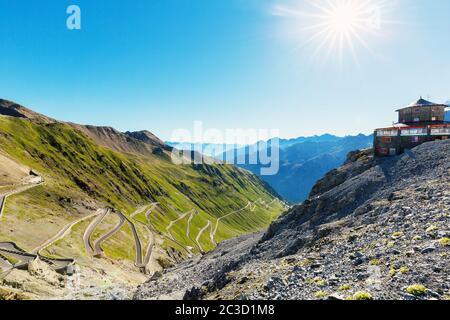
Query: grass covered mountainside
[[190, 207]]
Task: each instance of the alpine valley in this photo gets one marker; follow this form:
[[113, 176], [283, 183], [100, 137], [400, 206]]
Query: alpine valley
[[90, 212]]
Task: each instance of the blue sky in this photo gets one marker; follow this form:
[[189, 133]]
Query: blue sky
[[162, 64]]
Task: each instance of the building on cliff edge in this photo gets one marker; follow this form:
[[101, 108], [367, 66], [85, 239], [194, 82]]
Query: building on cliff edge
[[419, 122]]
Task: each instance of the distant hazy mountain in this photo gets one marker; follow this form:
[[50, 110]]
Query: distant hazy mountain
[[303, 161], [285, 143]]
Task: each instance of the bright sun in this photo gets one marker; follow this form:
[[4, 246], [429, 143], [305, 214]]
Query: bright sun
[[343, 18], [336, 26]]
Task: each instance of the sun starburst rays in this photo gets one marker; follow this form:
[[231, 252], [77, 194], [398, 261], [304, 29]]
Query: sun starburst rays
[[337, 27]]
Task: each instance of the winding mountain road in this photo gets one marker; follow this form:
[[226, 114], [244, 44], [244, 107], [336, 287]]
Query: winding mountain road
[[62, 234], [229, 214], [184, 215], [24, 258], [151, 244], [4, 263], [2, 201], [102, 213], [137, 241], [4, 196], [188, 230], [250, 205], [197, 239], [98, 251], [171, 237]]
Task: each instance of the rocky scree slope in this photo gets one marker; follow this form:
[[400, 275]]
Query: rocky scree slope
[[375, 228]]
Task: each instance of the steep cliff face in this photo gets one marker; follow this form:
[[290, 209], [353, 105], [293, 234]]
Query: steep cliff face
[[374, 228]]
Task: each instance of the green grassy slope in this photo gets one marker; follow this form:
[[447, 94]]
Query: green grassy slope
[[81, 176]]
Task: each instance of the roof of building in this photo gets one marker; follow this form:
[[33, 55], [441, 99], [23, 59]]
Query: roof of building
[[422, 103]]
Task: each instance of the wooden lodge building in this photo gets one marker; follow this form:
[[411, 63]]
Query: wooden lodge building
[[420, 122]]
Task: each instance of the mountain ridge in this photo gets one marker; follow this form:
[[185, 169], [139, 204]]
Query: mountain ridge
[[88, 168], [303, 162]]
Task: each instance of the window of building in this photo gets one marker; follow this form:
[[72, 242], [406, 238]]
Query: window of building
[[416, 119], [437, 131], [383, 151], [433, 118], [387, 132], [387, 140], [415, 132]]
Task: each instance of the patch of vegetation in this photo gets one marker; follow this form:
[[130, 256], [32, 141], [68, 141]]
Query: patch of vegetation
[[444, 241], [417, 290], [392, 272], [375, 262], [164, 263], [11, 259], [319, 282], [305, 262], [432, 231], [417, 238], [321, 294], [345, 287], [397, 235], [390, 244], [404, 270], [362, 295]]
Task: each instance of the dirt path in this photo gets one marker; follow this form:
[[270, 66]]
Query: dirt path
[[62, 234]]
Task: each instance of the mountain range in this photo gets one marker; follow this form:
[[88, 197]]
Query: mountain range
[[302, 161], [114, 203]]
